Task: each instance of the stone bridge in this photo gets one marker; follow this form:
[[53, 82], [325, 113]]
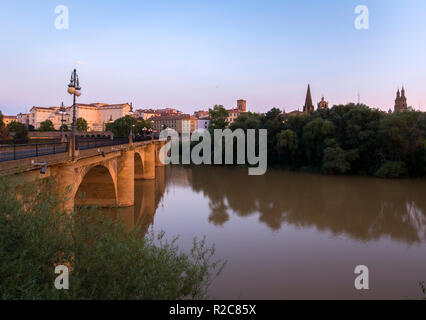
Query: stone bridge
[[103, 176]]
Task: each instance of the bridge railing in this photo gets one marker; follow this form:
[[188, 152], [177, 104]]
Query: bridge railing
[[22, 151], [138, 138], [91, 143]]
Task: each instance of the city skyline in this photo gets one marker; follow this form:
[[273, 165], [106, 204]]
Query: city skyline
[[194, 55]]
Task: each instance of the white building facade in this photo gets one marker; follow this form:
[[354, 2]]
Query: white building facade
[[97, 115]]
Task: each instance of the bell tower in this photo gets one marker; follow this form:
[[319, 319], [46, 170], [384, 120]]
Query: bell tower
[[401, 101]]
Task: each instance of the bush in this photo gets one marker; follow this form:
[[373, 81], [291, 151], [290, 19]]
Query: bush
[[392, 169], [46, 125], [105, 260], [20, 130], [334, 161]]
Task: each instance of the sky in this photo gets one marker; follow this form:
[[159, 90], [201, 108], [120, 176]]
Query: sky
[[195, 54]]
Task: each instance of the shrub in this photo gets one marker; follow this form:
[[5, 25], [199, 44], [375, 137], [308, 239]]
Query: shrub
[[46, 125], [105, 260], [334, 161], [392, 169]]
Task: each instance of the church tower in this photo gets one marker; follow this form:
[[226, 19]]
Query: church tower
[[401, 101], [308, 107], [323, 104]]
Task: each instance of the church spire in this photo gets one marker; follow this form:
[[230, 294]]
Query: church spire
[[308, 102]]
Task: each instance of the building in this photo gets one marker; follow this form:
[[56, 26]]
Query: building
[[308, 107], [242, 105], [24, 118], [323, 104], [97, 115], [41, 114], [201, 114], [235, 113], [400, 101], [145, 114], [203, 123], [182, 123], [9, 119]]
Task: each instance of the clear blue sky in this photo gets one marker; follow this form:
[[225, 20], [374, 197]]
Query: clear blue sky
[[194, 54]]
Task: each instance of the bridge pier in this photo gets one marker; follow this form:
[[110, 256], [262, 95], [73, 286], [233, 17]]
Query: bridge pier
[[66, 187], [126, 179], [158, 147], [149, 162]]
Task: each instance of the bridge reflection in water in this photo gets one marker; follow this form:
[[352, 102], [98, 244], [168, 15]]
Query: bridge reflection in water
[[291, 235], [148, 196]]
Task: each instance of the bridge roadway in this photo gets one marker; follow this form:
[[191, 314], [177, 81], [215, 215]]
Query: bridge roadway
[[103, 176]]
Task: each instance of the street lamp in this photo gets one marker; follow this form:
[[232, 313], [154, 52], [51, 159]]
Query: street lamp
[[75, 90], [131, 126], [62, 110]]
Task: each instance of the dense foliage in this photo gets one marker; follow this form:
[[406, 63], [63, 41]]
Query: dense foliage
[[46, 125], [3, 129], [82, 125], [218, 118], [20, 131], [346, 139], [105, 260], [122, 126]]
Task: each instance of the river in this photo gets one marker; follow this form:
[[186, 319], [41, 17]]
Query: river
[[288, 235]]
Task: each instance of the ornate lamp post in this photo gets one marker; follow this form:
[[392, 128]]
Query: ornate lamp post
[[62, 109], [131, 127], [75, 90]]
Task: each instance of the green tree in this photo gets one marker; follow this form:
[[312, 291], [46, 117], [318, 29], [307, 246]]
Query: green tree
[[107, 260], [287, 144], [140, 125], [82, 125], [392, 169], [246, 121], [64, 127], [335, 160], [314, 135], [4, 132], [122, 126], [20, 131], [218, 118], [46, 125]]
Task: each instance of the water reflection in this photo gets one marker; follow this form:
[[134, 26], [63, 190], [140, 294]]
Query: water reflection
[[363, 208], [148, 196], [294, 256], [359, 207]]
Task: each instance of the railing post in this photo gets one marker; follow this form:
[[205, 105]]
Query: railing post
[[54, 148], [36, 149], [14, 151]]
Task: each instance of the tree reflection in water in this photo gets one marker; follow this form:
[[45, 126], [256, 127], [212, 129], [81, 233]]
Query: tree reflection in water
[[359, 207], [363, 208]]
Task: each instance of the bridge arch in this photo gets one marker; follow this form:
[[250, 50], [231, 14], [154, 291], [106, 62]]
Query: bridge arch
[[97, 185], [139, 165]]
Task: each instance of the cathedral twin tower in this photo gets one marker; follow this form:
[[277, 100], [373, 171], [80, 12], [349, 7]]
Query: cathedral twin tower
[[400, 101]]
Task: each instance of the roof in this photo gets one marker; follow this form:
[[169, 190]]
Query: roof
[[175, 117]]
